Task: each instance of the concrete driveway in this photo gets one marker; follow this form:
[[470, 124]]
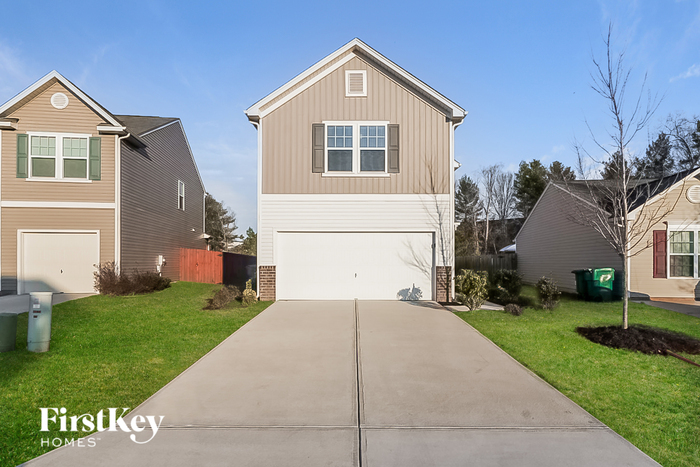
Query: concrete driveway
[[359, 384]]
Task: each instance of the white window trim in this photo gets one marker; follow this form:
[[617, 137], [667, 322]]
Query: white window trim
[[364, 83], [59, 158], [356, 149], [179, 183], [695, 228]]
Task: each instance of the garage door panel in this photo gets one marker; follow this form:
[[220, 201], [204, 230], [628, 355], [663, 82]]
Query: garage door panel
[[347, 265], [58, 262]]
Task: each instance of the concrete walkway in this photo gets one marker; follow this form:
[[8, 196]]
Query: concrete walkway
[[359, 384], [686, 309]]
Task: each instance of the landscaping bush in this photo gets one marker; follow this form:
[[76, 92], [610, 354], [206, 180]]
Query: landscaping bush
[[505, 286], [548, 293], [471, 288], [514, 309], [249, 295], [223, 297], [110, 282]]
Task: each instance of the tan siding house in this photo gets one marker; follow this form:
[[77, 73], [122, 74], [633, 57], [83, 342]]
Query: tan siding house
[[663, 264], [356, 183], [67, 168]]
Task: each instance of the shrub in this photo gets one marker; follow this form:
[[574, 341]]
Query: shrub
[[249, 295], [514, 309], [505, 286], [548, 293], [223, 297], [110, 282], [471, 288]]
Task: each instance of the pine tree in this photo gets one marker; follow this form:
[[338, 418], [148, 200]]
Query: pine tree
[[658, 161]]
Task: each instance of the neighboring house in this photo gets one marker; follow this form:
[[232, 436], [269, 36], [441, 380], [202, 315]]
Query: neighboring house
[[81, 186], [355, 183], [665, 264]]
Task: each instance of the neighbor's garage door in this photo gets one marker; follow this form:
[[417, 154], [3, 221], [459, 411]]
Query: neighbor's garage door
[[348, 265], [58, 262]]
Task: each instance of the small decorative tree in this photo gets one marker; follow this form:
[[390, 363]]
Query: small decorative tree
[[471, 288], [249, 295]]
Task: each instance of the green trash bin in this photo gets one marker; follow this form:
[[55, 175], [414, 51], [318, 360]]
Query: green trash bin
[[595, 284], [583, 281], [8, 331]]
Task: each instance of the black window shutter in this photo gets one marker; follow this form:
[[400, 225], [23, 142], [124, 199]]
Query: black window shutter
[[318, 139], [659, 254], [393, 146]]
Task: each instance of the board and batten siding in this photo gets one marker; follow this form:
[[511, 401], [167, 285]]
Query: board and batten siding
[[39, 115], [151, 223], [552, 245], [684, 213], [354, 213], [14, 219], [424, 134]]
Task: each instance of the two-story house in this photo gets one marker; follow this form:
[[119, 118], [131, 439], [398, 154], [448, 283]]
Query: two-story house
[[80, 186], [355, 183]]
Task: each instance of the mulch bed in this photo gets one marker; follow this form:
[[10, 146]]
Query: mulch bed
[[643, 339]]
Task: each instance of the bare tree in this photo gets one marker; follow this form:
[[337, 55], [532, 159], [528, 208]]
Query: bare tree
[[685, 140], [605, 205], [489, 183]]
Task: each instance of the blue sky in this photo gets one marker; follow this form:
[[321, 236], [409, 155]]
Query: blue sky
[[521, 69]]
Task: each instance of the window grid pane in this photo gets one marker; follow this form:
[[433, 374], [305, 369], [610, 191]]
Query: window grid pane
[[682, 242], [372, 136], [682, 265], [43, 146], [75, 147]]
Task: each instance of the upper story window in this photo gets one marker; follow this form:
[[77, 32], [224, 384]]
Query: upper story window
[[356, 147], [58, 156], [181, 195], [63, 157]]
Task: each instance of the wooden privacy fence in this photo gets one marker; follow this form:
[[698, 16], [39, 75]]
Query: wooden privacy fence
[[201, 266], [488, 263], [216, 267]]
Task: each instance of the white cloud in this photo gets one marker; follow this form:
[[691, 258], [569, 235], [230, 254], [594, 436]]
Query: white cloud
[[692, 72]]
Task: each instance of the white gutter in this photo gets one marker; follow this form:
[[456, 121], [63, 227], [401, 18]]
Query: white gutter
[[118, 201]]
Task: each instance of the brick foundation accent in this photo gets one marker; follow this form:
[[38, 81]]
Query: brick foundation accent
[[267, 280], [444, 274]]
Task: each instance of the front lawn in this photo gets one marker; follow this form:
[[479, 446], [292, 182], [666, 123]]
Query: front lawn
[[107, 352], [651, 400]]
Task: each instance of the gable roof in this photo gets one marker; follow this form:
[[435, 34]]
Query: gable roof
[[354, 48], [640, 192], [46, 81]]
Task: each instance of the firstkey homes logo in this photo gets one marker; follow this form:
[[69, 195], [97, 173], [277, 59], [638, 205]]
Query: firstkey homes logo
[[111, 420]]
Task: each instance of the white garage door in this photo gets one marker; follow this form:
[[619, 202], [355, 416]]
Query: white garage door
[[58, 262], [348, 265]]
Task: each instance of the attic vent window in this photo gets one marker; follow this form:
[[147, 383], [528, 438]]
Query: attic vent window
[[59, 100], [356, 83], [693, 194]]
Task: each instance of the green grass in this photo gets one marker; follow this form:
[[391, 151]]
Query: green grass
[[651, 400], [107, 352]]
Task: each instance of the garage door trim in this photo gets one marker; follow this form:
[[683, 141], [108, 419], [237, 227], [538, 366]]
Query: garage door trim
[[20, 248]]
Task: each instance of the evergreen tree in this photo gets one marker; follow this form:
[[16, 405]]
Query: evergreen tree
[[658, 161], [529, 183], [612, 168], [250, 243], [466, 199], [219, 224], [558, 172]]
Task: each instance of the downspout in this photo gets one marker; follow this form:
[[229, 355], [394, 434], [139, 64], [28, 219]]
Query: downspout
[[454, 126], [117, 202]]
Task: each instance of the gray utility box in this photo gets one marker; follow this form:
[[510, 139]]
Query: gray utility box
[[39, 328], [8, 331]]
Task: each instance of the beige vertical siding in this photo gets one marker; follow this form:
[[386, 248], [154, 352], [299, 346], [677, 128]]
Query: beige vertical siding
[[550, 244], [152, 224], [39, 115], [14, 219], [424, 137], [684, 213]]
